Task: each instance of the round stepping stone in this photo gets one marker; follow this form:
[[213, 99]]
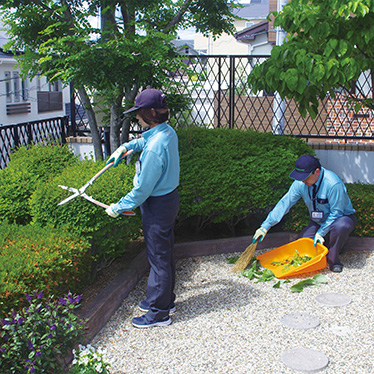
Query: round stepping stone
[[340, 330], [333, 299], [303, 359], [301, 321]]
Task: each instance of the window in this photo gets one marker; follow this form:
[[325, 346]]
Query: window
[[8, 89], [16, 88], [25, 90]]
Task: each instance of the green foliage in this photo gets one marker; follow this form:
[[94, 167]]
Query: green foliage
[[34, 258], [41, 160], [361, 195], [36, 339], [328, 46], [227, 175], [108, 236], [115, 61], [29, 167], [317, 280]]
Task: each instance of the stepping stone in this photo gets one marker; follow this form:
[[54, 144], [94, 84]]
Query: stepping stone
[[333, 299], [301, 321], [305, 360]]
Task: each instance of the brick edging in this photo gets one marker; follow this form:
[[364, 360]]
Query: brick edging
[[104, 305]]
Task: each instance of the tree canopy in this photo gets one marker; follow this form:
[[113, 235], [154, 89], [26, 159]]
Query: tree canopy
[[328, 46], [131, 49]]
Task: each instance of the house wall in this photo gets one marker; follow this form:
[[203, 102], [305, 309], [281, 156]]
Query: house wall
[[225, 44], [10, 108]]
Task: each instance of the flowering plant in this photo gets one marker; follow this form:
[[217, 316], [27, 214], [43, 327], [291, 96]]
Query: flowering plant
[[89, 361], [36, 339]]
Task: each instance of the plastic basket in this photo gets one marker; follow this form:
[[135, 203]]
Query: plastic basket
[[304, 246]]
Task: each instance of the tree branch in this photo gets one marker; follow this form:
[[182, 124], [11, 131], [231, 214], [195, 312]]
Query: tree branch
[[178, 17]]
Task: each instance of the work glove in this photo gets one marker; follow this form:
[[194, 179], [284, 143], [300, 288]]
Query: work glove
[[318, 239], [259, 235], [111, 212], [116, 155]]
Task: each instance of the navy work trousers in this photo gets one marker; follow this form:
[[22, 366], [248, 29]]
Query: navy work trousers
[[159, 214], [336, 238]]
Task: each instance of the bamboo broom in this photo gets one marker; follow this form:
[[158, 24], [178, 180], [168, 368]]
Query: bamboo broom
[[245, 258]]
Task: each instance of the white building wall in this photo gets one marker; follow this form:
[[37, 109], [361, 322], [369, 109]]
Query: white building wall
[[9, 65]]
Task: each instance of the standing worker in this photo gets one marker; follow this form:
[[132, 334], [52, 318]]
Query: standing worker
[[155, 191], [330, 209]]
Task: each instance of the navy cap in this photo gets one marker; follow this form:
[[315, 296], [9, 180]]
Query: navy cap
[[304, 166], [149, 98]]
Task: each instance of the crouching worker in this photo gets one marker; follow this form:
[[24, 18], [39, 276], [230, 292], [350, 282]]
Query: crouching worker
[[330, 210], [155, 183]]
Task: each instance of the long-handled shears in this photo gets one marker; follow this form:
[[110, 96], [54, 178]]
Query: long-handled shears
[[81, 191]]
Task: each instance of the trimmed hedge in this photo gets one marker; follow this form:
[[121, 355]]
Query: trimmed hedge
[[107, 235], [29, 167], [35, 258], [227, 175]]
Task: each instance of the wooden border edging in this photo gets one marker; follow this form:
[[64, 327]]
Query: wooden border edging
[[105, 304]]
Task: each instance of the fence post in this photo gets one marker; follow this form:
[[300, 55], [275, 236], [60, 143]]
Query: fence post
[[232, 92], [219, 92], [72, 110], [29, 133]]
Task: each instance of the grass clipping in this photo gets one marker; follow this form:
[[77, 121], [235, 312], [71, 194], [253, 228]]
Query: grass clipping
[[245, 258]]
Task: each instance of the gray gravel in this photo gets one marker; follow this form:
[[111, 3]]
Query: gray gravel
[[229, 324]]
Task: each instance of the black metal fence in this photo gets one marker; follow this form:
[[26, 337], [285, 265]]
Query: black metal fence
[[220, 97], [45, 131]]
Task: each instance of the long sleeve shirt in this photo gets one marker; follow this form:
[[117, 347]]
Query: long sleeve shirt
[[157, 169], [331, 199]]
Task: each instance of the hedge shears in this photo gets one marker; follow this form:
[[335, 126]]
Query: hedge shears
[[81, 191]]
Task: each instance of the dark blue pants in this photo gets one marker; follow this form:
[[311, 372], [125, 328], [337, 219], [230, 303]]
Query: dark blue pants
[[336, 238], [158, 217]]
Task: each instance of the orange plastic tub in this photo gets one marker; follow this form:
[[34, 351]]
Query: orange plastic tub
[[304, 246]]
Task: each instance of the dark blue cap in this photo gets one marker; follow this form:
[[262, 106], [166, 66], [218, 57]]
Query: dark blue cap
[[304, 166]]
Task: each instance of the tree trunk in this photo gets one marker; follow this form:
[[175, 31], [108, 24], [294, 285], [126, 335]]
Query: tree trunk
[[115, 123], [98, 150]]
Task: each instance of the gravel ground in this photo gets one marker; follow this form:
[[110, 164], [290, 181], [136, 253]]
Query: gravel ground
[[230, 324]]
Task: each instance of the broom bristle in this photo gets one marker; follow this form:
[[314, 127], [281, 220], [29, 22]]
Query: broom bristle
[[245, 258]]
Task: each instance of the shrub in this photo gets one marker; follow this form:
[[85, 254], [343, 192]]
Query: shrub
[[227, 175], [42, 160], [16, 187], [107, 235], [36, 339], [361, 195], [29, 167], [34, 258]]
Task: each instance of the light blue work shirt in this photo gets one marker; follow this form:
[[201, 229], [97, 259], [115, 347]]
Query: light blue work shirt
[[331, 199], [157, 169]]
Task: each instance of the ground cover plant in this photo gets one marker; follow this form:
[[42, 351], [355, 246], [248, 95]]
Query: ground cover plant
[[37, 338]]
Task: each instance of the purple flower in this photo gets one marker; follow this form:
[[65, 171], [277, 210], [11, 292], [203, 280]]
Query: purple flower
[[53, 327], [6, 322], [68, 325], [2, 349], [62, 300], [40, 295], [31, 346], [19, 321], [38, 354], [50, 336], [28, 298]]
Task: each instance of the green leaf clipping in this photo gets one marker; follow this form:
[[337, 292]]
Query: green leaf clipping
[[317, 280]]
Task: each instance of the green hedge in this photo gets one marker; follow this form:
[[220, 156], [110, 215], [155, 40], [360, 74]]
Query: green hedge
[[34, 258], [362, 197], [29, 167], [107, 235], [227, 175]]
